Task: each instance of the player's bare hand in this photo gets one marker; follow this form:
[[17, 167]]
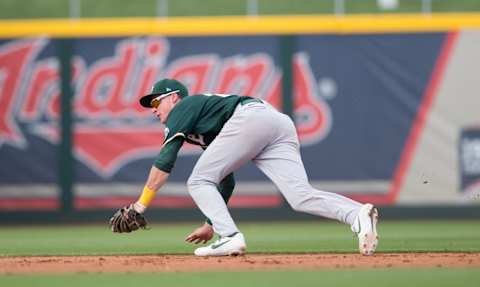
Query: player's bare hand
[[201, 235]]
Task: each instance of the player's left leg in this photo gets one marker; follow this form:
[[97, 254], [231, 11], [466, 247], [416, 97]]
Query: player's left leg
[[238, 142]]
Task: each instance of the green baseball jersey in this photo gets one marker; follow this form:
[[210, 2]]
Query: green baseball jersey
[[197, 120]]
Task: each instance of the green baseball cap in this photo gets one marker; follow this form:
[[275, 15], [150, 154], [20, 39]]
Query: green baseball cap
[[164, 88]]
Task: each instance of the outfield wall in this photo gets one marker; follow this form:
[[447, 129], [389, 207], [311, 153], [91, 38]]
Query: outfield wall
[[386, 108]]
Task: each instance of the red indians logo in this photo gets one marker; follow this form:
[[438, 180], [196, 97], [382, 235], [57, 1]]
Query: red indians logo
[[111, 129]]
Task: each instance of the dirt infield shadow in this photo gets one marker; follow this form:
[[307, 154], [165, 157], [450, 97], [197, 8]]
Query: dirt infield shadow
[[258, 262]]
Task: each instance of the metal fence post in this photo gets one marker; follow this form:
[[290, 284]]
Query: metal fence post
[[162, 8], [339, 7], [75, 9], [252, 7], [287, 54], [65, 162], [287, 50], [427, 6]]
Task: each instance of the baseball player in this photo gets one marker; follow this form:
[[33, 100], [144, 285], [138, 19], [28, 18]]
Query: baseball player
[[233, 130]]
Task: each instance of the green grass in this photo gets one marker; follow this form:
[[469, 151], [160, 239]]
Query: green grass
[[10, 9], [405, 6], [319, 236], [338, 278]]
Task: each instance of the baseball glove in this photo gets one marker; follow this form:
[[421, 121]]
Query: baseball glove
[[127, 219]]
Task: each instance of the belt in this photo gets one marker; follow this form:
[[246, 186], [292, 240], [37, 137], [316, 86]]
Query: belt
[[251, 100]]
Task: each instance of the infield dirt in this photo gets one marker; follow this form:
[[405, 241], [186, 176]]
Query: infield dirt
[[250, 262]]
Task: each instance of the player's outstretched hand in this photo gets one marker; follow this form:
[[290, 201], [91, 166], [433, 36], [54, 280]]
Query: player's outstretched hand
[[127, 219], [201, 235]]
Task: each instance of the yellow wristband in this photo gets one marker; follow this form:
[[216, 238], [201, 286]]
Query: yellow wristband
[[147, 196]]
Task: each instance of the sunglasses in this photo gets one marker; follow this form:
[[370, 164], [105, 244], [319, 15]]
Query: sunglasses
[[155, 102]]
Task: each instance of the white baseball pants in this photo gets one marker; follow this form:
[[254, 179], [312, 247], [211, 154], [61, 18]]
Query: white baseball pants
[[258, 132]]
